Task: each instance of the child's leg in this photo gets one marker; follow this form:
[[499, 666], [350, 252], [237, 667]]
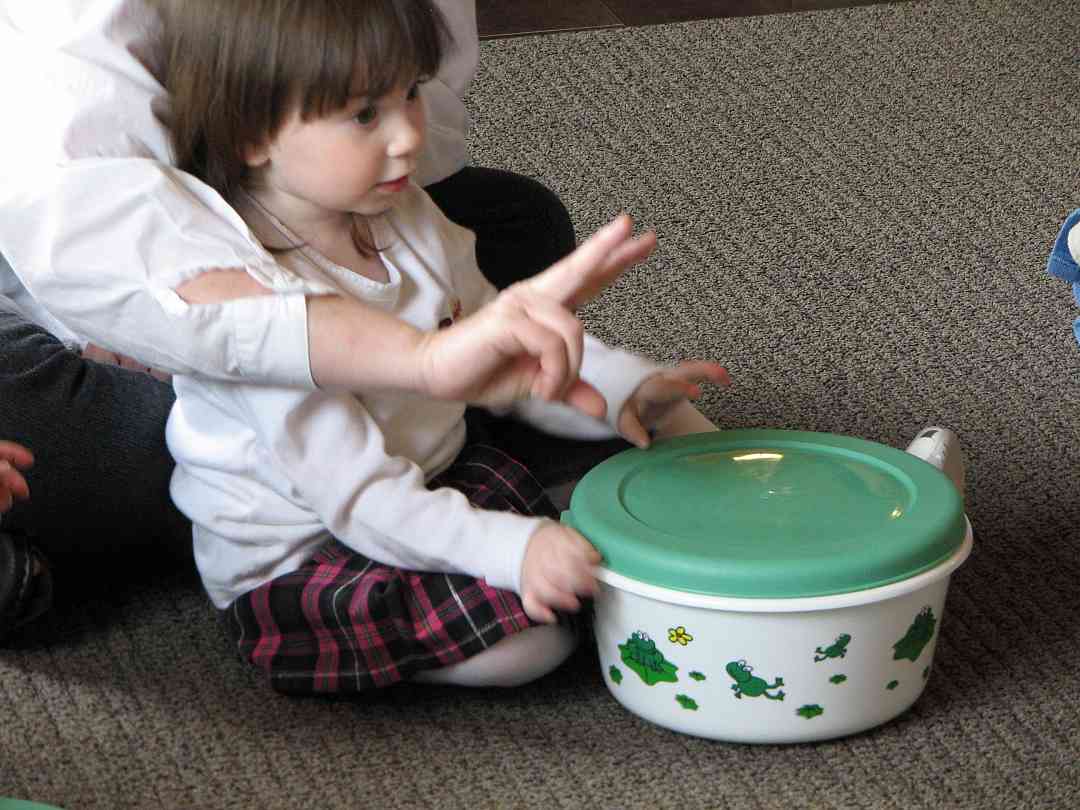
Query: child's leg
[[514, 661], [521, 226], [343, 623]]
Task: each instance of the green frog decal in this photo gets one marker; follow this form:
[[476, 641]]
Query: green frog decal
[[747, 684], [917, 636], [642, 656], [838, 649]]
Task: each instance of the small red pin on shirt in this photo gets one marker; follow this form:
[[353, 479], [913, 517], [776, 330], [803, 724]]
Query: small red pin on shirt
[[454, 314]]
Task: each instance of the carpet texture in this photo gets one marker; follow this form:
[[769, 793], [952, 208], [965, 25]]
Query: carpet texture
[[854, 209]]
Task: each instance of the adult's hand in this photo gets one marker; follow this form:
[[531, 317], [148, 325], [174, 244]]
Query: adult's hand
[[527, 342]]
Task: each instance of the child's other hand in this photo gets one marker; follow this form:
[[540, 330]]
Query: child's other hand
[[13, 457], [557, 570], [661, 393]]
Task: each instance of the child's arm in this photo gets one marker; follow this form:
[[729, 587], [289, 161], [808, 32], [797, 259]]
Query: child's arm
[[335, 468], [335, 459], [330, 460], [13, 457]]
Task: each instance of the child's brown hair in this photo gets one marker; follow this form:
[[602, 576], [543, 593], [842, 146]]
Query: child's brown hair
[[236, 69]]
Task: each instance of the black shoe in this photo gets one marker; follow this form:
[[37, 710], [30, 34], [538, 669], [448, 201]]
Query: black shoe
[[26, 583]]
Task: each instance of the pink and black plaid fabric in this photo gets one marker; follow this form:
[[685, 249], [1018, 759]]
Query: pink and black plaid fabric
[[344, 623]]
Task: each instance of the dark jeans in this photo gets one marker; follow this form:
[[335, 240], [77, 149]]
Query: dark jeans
[[99, 488]]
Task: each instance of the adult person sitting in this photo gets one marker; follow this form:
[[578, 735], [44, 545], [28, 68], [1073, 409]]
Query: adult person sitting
[[95, 172]]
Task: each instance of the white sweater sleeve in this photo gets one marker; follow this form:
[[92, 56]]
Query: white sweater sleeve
[[334, 453]]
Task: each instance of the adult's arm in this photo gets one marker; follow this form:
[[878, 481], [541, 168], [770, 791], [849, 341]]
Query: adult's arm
[[119, 246]]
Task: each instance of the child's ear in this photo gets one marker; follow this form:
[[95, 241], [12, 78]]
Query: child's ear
[[255, 155]]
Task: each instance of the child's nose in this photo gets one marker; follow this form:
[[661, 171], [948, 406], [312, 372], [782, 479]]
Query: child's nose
[[407, 136]]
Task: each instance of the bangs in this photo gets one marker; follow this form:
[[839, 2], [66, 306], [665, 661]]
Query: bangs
[[360, 48], [237, 69]]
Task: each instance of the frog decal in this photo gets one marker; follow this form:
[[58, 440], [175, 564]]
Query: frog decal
[[641, 655], [917, 636], [838, 649], [747, 684]]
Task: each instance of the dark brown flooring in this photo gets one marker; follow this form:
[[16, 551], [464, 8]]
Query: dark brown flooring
[[506, 18]]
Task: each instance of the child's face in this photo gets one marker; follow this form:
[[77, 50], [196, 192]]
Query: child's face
[[354, 160]]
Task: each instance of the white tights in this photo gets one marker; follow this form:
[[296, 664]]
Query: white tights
[[513, 661]]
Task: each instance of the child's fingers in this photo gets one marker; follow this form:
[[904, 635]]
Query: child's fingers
[[565, 279], [577, 580], [595, 265], [632, 430], [548, 350], [556, 594], [560, 322], [586, 399], [585, 549], [537, 611], [699, 371], [666, 388], [16, 454], [624, 256], [12, 483], [565, 601], [631, 252]]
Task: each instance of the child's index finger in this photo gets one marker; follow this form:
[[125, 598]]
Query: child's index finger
[[565, 280]]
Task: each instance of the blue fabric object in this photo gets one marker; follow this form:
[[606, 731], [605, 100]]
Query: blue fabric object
[[1062, 264]]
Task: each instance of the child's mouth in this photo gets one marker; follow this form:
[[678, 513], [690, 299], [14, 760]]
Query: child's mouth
[[394, 185]]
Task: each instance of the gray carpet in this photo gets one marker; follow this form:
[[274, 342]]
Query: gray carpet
[[854, 210]]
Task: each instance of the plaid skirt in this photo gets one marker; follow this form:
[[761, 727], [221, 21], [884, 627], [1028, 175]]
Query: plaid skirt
[[344, 623]]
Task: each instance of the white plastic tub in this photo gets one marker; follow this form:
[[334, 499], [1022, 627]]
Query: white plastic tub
[[770, 586]]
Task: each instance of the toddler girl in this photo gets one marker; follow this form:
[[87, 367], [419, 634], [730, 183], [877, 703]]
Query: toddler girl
[[354, 541]]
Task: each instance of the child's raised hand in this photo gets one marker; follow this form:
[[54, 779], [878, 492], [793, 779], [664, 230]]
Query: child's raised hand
[[527, 342], [556, 572], [13, 457], [664, 391]]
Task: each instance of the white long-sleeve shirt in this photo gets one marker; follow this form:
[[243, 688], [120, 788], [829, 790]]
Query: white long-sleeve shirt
[[100, 228], [268, 473]]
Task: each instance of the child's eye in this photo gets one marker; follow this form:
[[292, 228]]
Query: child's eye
[[414, 92], [366, 115]]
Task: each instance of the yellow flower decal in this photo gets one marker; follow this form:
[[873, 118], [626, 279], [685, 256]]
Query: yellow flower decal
[[678, 635]]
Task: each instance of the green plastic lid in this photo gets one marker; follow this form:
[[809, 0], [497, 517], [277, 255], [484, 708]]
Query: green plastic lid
[[768, 514]]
